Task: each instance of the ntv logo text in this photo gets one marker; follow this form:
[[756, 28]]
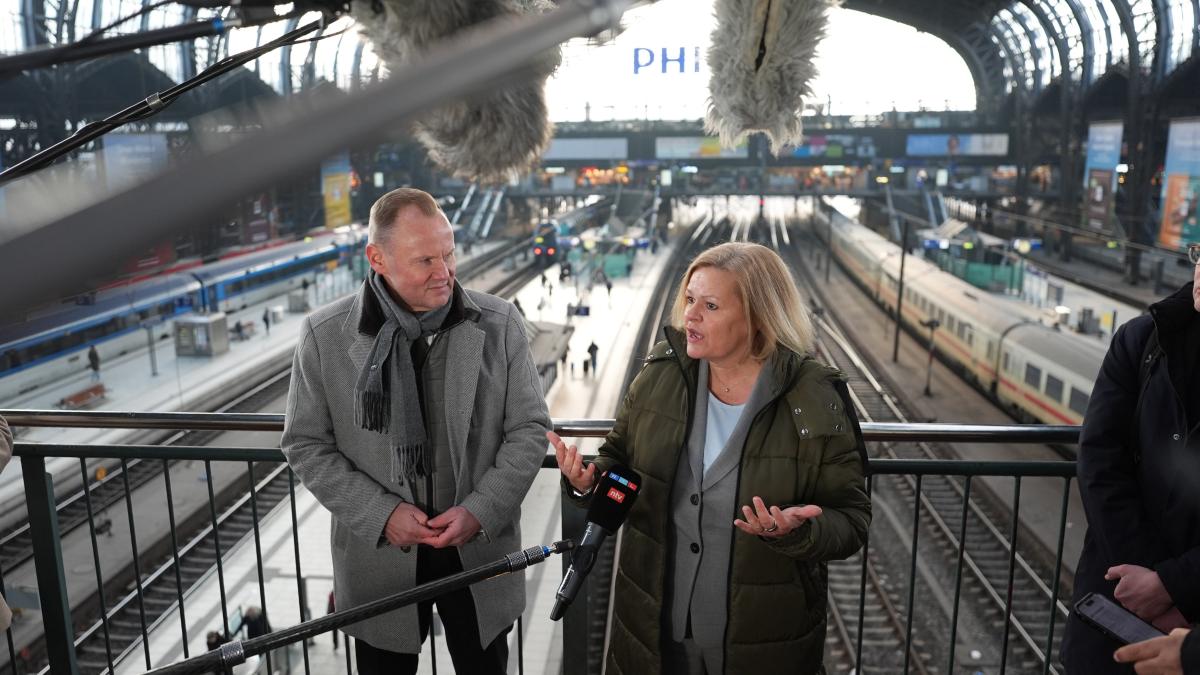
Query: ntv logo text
[[673, 60]]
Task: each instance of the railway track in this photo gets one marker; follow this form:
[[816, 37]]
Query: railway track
[[1003, 592]]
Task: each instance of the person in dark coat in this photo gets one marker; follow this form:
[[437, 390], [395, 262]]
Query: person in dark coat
[[93, 357], [1139, 462], [752, 473], [592, 350], [267, 320], [256, 623]]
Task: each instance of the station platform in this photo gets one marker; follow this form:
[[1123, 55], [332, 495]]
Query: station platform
[[1096, 266]]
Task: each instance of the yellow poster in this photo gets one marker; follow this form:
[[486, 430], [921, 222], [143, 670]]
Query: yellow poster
[[335, 186]]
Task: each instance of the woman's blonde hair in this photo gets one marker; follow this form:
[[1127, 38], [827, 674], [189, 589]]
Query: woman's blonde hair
[[768, 292]]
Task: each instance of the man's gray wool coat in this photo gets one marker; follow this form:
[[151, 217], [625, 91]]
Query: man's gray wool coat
[[497, 419]]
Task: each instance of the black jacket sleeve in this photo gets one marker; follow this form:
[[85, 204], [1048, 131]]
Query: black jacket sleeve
[[1189, 655], [1107, 471]]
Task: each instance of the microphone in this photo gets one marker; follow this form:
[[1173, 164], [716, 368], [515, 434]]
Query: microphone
[[612, 499], [762, 66], [489, 138]]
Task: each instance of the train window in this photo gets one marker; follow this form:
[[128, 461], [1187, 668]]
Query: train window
[[991, 349], [1033, 376], [1005, 366], [941, 316], [970, 337], [1054, 388], [1079, 401], [962, 331], [950, 324]]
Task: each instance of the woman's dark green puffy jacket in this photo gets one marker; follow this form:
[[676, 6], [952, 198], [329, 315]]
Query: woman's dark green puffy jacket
[[803, 448]]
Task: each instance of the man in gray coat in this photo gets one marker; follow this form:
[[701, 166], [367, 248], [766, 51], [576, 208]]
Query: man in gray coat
[[416, 417], [6, 451]]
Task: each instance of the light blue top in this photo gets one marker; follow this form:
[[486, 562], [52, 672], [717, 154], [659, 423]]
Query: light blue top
[[722, 418]]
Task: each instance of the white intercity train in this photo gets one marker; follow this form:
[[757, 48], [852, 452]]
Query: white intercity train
[[1036, 369]]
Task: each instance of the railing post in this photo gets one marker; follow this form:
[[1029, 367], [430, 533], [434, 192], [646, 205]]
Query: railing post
[[48, 562], [575, 621]]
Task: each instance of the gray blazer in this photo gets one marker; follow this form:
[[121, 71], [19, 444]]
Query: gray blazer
[[497, 419], [6, 451]]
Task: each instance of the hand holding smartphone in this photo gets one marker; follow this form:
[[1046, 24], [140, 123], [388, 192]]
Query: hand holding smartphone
[[1114, 620]]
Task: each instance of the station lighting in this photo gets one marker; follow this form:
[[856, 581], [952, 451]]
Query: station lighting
[[1122, 168], [882, 180]]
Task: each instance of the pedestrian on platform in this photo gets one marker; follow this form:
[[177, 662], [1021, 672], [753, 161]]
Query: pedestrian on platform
[[6, 451], [256, 623], [1139, 462], [592, 351], [608, 286], [93, 357], [543, 276], [239, 330], [266, 317], [586, 365], [416, 417], [724, 479]]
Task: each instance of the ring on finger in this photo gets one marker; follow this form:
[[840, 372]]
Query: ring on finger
[[774, 526]]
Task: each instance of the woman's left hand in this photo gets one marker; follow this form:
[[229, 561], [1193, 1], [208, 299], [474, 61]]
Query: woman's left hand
[[774, 522]]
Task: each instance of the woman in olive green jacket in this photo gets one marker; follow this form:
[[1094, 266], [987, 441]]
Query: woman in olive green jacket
[[752, 478]]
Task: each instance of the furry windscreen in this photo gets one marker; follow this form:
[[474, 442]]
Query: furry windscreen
[[761, 60], [487, 138]]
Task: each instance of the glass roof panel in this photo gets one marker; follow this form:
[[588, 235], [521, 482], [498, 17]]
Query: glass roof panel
[[1183, 31], [1040, 50], [1015, 36], [1144, 27], [1072, 32], [12, 38]]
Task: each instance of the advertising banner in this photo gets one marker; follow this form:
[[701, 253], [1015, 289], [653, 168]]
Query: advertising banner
[[589, 149], [697, 147], [1100, 173], [1181, 185], [957, 145], [833, 146], [335, 186]]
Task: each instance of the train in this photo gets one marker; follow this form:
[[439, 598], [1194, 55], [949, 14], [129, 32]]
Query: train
[[49, 345], [1008, 349], [546, 247]]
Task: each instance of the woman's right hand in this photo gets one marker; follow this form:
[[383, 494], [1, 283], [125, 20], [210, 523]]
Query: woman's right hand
[[570, 463]]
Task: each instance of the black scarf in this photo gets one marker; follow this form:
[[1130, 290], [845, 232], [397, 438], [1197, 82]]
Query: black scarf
[[388, 395]]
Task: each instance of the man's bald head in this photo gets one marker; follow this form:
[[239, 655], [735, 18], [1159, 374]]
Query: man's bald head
[[387, 210]]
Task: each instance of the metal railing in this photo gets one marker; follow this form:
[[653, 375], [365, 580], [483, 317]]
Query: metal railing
[[66, 649]]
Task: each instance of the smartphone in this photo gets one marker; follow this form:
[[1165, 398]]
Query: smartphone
[[1114, 620]]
